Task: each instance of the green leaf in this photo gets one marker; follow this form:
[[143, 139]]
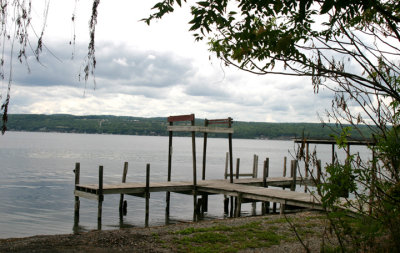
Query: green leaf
[[328, 4]]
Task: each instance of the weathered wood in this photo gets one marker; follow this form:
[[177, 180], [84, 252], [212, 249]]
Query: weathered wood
[[218, 121], [237, 167], [284, 166], [188, 117], [203, 174], [332, 141], [307, 160], [238, 205], [100, 200], [77, 172], [318, 171], [255, 166], [282, 209], [121, 198], [86, 195], [265, 205], [201, 129], [241, 175], [230, 159], [168, 194], [293, 174], [147, 191], [204, 198]]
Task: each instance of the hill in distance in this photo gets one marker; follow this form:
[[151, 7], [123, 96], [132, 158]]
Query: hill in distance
[[126, 125]]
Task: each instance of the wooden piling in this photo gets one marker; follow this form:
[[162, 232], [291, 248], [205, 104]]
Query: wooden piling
[[293, 174], [77, 202], [284, 166], [147, 194], [101, 198], [282, 209], [255, 175], [226, 205], [238, 205], [237, 177], [168, 194], [265, 205], [230, 151], [255, 166], [121, 199], [237, 167], [306, 161], [77, 172], [318, 171], [226, 165], [203, 176]]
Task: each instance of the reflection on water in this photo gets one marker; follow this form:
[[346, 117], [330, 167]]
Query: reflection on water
[[36, 186]]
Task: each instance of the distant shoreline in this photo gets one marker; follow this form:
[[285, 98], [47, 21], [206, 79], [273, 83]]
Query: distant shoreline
[[127, 125]]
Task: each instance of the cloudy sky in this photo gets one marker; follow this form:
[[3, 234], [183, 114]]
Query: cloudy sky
[[148, 71]]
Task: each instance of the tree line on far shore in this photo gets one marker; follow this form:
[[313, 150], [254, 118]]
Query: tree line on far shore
[[125, 125]]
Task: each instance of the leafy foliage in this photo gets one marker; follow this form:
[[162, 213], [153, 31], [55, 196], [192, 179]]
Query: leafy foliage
[[349, 47]]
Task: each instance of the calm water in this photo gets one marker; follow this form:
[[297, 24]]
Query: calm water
[[36, 182]]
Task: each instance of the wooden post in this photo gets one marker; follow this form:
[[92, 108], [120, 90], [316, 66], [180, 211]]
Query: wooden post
[[293, 172], [230, 151], [333, 153], [77, 172], [204, 206], [147, 194], [226, 205], [255, 166], [77, 202], [194, 173], [282, 209], [255, 174], [237, 198], [319, 171], [168, 194], [101, 198], [226, 199], [306, 161], [265, 205], [203, 177], [237, 167], [121, 199], [284, 166], [226, 165], [274, 207], [238, 205]]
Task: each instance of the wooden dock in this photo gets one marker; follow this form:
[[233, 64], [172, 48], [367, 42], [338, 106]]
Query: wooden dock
[[236, 190], [241, 190]]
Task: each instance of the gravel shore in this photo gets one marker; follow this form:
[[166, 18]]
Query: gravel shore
[[270, 233]]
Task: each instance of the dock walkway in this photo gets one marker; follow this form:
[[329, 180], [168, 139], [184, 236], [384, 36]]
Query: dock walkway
[[248, 188]]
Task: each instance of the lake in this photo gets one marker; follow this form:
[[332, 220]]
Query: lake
[[36, 183]]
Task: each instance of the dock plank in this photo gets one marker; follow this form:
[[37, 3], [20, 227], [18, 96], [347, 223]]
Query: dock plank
[[248, 188]]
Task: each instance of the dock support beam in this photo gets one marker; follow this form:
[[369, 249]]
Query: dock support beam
[[101, 198], [122, 206], [147, 194], [77, 202], [168, 194], [293, 174], [265, 205]]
